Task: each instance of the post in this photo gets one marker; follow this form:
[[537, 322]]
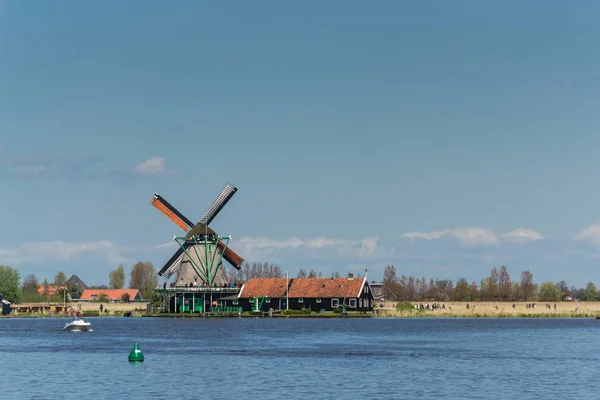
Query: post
[[287, 289]]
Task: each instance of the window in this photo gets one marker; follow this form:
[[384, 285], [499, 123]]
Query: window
[[267, 300], [235, 302], [300, 300], [318, 300], [335, 303], [352, 303], [367, 289], [360, 303]]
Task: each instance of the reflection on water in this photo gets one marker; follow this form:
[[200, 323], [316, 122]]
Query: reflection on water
[[301, 358]]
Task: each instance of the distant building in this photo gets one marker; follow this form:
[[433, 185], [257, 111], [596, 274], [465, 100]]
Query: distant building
[[317, 294], [76, 281], [50, 290], [377, 288], [111, 294]]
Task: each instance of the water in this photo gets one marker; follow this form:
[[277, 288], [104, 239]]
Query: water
[[301, 359]]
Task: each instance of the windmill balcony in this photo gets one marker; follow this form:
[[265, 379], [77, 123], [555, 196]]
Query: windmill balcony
[[199, 289]]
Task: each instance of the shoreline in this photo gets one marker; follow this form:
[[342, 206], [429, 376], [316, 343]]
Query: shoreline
[[390, 310]]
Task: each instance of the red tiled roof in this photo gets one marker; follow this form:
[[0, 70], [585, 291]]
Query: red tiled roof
[[112, 294], [51, 289], [269, 287], [326, 287]]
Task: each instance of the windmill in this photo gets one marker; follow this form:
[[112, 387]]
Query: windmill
[[200, 253]]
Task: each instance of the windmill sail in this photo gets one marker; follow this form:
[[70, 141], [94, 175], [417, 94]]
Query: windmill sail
[[225, 195]]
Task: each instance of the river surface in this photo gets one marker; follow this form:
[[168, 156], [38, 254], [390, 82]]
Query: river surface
[[297, 358]]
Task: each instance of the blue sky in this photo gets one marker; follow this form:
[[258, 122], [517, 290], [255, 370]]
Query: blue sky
[[443, 137]]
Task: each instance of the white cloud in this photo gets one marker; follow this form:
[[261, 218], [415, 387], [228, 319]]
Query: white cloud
[[316, 248], [466, 236], [426, 235], [589, 234], [37, 252], [152, 166], [522, 234]]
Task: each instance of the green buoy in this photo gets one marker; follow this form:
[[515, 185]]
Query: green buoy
[[136, 354]]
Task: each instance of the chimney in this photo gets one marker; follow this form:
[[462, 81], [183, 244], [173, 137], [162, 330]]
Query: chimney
[[350, 276]]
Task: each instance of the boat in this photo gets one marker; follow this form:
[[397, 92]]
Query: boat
[[77, 325]]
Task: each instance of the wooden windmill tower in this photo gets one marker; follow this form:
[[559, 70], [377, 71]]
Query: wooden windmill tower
[[201, 250]]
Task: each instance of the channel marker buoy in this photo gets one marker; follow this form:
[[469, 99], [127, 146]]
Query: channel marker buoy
[[136, 355]]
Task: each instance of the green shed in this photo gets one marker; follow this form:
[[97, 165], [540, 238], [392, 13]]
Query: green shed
[[5, 307]]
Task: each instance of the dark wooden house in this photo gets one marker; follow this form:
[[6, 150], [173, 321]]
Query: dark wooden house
[[264, 294], [327, 294], [317, 294]]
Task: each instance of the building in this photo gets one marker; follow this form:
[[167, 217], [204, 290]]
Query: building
[[264, 294], [111, 294], [327, 294], [5, 306], [50, 290], [316, 294], [377, 288], [76, 281]]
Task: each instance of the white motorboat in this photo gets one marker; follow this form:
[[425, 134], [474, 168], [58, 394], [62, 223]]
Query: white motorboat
[[77, 325]]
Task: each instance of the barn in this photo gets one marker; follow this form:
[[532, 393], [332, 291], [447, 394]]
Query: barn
[[263, 294], [327, 294], [316, 294]]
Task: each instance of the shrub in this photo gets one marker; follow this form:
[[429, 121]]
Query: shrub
[[297, 312], [90, 313], [405, 306]]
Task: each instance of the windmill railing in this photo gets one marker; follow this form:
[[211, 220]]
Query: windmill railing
[[180, 289]]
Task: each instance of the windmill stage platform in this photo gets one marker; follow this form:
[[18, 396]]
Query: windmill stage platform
[[215, 300]]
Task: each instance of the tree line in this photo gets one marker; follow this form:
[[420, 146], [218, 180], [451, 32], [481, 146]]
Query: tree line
[[142, 276], [266, 270], [497, 286]]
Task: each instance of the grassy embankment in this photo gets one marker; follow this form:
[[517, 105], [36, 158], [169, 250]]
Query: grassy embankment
[[86, 310], [494, 310]]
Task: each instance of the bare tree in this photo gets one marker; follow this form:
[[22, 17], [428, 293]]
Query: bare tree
[[390, 281], [30, 284], [312, 273], [504, 284], [527, 285], [144, 278], [492, 288], [302, 273]]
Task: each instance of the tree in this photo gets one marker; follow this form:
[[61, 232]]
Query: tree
[[504, 284], [9, 283], [302, 273], [462, 291], [30, 284], [527, 285], [46, 286], [492, 288], [125, 298], [144, 278], [312, 273], [390, 281], [117, 278], [60, 279], [549, 292], [563, 287], [590, 293]]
